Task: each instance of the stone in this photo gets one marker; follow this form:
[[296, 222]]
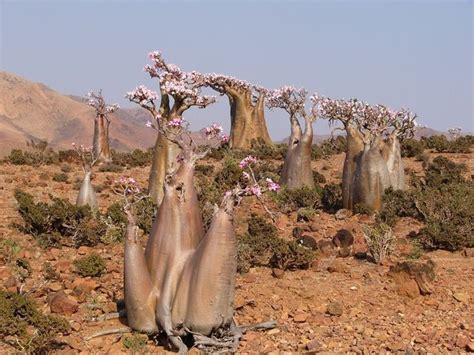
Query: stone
[[297, 232], [308, 242], [314, 345], [273, 331], [87, 285], [470, 347], [278, 273], [343, 238], [62, 304], [462, 297], [300, 317], [344, 252], [421, 271], [55, 286], [326, 247], [338, 267], [335, 309], [468, 252], [342, 214]]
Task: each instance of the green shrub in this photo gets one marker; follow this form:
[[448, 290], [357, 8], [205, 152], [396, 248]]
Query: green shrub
[[111, 168], [438, 143], [443, 171], [363, 208], [91, 265], [60, 177], [305, 214], [66, 168], [262, 247], [39, 154], [332, 197], [133, 159], [135, 342], [318, 178], [68, 156], [294, 199], [448, 213], [204, 169], [396, 204], [24, 327], [410, 148]]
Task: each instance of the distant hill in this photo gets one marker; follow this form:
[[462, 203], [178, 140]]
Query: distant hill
[[31, 110]]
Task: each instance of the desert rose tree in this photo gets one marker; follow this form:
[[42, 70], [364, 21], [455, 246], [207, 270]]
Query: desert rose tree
[[101, 148], [247, 110], [373, 159], [184, 282], [87, 195], [179, 91], [296, 171]]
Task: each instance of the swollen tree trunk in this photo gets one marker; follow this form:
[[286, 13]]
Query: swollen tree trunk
[[392, 155], [164, 159], [140, 294], [206, 290], [176, 233], [371, 176], [296, 171], [247, 120], [101, 148], [354, 149], [87, 196]]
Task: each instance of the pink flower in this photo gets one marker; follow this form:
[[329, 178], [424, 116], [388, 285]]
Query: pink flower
[[149, 124], [224, 138], [175, 122], [256, 190], [246, 175], [213, 130], [247, 161], [271, 185]]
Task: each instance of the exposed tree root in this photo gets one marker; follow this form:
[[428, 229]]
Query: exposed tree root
[[109, 316], [116, 330]]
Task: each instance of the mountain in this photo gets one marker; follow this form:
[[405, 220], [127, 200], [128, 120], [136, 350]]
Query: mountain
[[31, 110]]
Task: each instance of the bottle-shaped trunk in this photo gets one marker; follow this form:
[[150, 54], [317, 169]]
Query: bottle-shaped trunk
[[175, 233], [247, 122], [101, 148], [140, 295], [205, 295], [354, 149], [371, 176], [296, 171], [87, 196], [164, 159], [392, 155]]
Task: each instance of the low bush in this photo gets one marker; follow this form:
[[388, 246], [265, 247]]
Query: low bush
[[60, 177], [396, 204], [305, 214], [379, 240], [318, 178], [25, 328], [262, 247], [293, 199], [331, 198], [133, 159], [410, 148], [135, 342], [363, 208], [91, 265], [111, 168]]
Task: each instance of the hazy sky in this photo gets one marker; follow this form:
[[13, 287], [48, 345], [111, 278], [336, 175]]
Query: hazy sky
[[415, 54]]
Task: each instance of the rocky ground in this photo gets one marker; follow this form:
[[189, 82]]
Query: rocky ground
[[339, 305]]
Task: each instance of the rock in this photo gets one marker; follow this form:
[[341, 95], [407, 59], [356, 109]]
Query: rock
[[462, 342], [325, 247], [462, 297], [308, 242], [421, 271], [55, 286], [300, 317], [335, 308], [314, 345], [343, 238], [338, 267], [11, 284], [83, 250], [470, 347], [249, 278], [273, 331], [468, 252], [86, 285], [343, 214], [62, 266], [297, 232], [62, 304], [344, 252], [278, 273]]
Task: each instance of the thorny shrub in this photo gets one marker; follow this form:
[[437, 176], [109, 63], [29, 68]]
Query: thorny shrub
[[293, 199], [91, 265], [379, 238]]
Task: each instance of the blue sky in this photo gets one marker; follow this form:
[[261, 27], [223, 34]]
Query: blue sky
[[415, 54]]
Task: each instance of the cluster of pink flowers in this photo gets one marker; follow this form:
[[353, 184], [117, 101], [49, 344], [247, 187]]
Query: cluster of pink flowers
[[97, 101], [271, 185], [127, 186], [213, 130], [247, 161], [289, 98], [176, 122], [142, 95]]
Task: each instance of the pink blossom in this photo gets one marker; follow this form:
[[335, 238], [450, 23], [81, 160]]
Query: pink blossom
[[224, 138], [271, 185], [213, 131], [149, 124], [246, 175], [256, 190], [247, 161], [176, 122]]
